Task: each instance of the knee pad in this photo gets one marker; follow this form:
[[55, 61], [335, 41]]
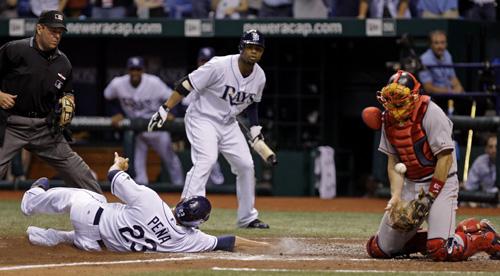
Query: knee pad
[[373, 249], [470, 225], [437, 249]]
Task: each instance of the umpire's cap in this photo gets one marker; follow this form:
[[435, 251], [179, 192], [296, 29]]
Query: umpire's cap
[[193, 211], [251, 37], [206, 53], [53, 19]]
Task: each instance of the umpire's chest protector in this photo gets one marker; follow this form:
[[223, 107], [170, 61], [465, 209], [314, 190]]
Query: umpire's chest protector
[[410, 141]]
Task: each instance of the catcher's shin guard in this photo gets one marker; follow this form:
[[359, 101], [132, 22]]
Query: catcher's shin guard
[[494, 250], [469, 225], [374, 250], [437, 249], [471, 236], [483, 234]]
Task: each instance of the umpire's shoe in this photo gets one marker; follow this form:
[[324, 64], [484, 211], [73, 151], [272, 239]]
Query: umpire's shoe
[[42, 182], [257, 223]]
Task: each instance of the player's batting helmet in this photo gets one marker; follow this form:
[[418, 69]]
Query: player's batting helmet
[[193, 211], [251, 37]]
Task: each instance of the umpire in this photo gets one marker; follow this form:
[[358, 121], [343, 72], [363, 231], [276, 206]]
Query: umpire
[[37, 102]]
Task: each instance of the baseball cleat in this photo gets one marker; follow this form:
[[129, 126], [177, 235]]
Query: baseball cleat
[[42, 182], [257, 223], [494, 250]]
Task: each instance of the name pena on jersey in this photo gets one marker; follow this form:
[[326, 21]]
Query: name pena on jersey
[[236, 98], [161, 232]]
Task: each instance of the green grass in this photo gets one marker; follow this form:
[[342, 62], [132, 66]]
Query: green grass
[[223, 221]]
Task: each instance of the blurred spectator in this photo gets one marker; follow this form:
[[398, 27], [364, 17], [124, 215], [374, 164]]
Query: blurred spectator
[[384, 9], [229, 9], [438, 8], [24, 8], [111, 9], [254, 8], [139, 93], [482, 10], [76, 8], [412, 5], [8, 9], [179, 9], [201, 8], [150, 8], [439, 80], [310, 9], [343, 8], [482, 174], [37, 6], [276, 8]]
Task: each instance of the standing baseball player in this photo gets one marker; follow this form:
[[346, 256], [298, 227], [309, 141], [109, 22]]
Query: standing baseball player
[[144, 223], [223, 88], [204, 55], [416, 132], [37, 102], [139, 93]]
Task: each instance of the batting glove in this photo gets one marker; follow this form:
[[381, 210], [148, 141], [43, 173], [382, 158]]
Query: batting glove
[[255, 132], [158, 119]]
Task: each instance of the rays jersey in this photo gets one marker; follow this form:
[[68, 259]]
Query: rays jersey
[[140, 101], [221, 91], [146, 223]]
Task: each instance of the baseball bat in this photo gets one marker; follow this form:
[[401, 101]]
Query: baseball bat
[[259, 146], [469, 144]]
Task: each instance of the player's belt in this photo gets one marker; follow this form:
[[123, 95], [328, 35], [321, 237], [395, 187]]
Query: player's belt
[[30, 114], [97, 219]]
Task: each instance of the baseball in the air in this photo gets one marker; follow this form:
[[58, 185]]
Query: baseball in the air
[[400, 168]]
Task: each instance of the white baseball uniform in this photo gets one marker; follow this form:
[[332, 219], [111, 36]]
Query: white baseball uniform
[[144, 223], [141, 102], [221, 93], [442, 215], [216, 176]]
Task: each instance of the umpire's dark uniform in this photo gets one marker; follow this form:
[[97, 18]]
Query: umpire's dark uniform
[[38, 78]]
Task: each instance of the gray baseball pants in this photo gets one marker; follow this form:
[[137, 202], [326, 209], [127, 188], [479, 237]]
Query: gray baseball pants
[[34, 135]]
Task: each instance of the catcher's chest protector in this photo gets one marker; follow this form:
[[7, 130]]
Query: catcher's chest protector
[[410, 141]]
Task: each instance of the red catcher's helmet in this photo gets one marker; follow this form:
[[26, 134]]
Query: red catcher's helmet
[[400, 94]]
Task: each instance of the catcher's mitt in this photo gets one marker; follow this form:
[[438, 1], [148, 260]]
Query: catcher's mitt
[[67, 110], [409, 215]]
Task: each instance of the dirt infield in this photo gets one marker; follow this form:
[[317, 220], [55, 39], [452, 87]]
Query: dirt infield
[[18, 257]]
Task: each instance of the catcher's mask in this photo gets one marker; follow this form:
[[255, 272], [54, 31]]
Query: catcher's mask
[[399, 96], [193, 211]]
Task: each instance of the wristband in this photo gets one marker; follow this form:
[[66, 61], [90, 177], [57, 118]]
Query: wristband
[[435, 187]]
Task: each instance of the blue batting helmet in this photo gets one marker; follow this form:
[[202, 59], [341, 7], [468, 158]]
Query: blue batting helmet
[[193, 211], [251, 37]]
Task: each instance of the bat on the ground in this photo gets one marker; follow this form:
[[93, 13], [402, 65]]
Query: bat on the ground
[[259, 145]]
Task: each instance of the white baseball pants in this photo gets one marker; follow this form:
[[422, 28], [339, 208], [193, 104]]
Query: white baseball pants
[[207, 138], [82, 205]]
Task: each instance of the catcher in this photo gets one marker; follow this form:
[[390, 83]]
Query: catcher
[[417, 133], [37, 103]]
